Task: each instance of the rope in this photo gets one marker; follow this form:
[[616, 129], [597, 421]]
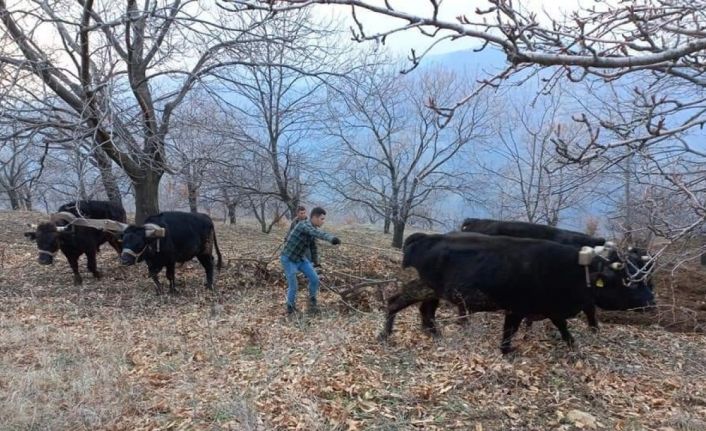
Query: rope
[[344, 301], [387, 250], [371, 280]]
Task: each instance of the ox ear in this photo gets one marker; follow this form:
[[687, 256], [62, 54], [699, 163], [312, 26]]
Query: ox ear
[[415, 237], [32, 236]]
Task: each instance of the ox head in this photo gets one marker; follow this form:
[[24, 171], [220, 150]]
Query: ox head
[[47, 237], [412, 245], [623, 282], [137, 239]]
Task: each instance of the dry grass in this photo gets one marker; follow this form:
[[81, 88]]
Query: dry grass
[[111, 355]]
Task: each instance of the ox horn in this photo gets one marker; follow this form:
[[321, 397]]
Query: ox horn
[[617, 266], [32, 226], [62, 216], [646, 258], [61, 228], [154, 230], [609, 244], [586, 255]]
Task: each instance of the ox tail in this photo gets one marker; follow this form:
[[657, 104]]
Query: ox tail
[[219, 265]]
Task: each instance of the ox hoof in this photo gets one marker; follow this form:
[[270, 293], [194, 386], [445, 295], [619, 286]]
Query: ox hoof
[[506, 350], [383, 337], [78, 281], [97, 275], [433, 333]]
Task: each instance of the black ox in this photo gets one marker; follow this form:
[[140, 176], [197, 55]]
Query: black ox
[[73, 241], [528, 278], [168, 238], [634, 287], [521, 229]]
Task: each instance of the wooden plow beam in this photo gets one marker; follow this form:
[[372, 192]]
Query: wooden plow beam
[[108, 225]]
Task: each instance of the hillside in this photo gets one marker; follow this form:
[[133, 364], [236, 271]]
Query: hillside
[[112, 355]]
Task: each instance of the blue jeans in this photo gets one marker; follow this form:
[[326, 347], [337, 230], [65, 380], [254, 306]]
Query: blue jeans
[[290, 271]]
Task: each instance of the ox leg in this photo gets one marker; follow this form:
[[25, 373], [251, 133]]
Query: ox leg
[[428, 311], [157, 284], [92, 267], [73, 263], [115, 244], [564, 330], [171, 269], [590, 313], [154, 274], [395, 304], [207, 263], [464, 318], [528, 328], [510, 327]]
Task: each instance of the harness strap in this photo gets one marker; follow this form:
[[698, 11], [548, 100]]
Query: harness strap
[[132, 253]]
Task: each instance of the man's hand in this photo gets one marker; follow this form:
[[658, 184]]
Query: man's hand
[[335, 240]]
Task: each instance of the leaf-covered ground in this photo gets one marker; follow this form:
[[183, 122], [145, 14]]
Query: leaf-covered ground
[[112, 355]]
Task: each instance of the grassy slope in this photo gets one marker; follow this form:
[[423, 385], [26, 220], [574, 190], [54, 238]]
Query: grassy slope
[[111, 355]]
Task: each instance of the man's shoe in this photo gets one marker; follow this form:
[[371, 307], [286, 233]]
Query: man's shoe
[[313, 307], [291, 310]]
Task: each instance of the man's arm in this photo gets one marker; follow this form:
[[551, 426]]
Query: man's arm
[[314, 254], [317, 233]]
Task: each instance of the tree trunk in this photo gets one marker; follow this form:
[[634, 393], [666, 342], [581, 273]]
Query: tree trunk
[[628, 200], [231, 212], [110, 183], [388, 213], [261, 218], [553, 220], [27, 198], [14, 199], [292, 205], [82, 193], [146, 196], [398, 234], [28, 203], [193, 196]]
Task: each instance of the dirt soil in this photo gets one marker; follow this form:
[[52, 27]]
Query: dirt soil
[[112, 355]]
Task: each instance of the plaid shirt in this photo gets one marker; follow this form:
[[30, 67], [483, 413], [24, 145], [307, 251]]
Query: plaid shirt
[[302, 239]]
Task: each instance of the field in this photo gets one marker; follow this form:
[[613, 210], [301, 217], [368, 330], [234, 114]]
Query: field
[[112, 355]]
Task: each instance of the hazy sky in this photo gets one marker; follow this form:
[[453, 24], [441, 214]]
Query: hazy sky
[[401, 43]]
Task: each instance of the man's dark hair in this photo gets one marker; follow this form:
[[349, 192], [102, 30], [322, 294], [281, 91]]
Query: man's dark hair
[[317, 212], [301, 208]]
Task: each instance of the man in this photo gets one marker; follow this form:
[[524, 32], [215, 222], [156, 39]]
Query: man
[[302, 240], [301, 216]]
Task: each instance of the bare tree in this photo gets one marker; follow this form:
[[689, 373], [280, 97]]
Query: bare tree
[[393, 155], [117, 76], [276, 105], [197, 143], [18, 171], [531, 181], [657, 46]]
